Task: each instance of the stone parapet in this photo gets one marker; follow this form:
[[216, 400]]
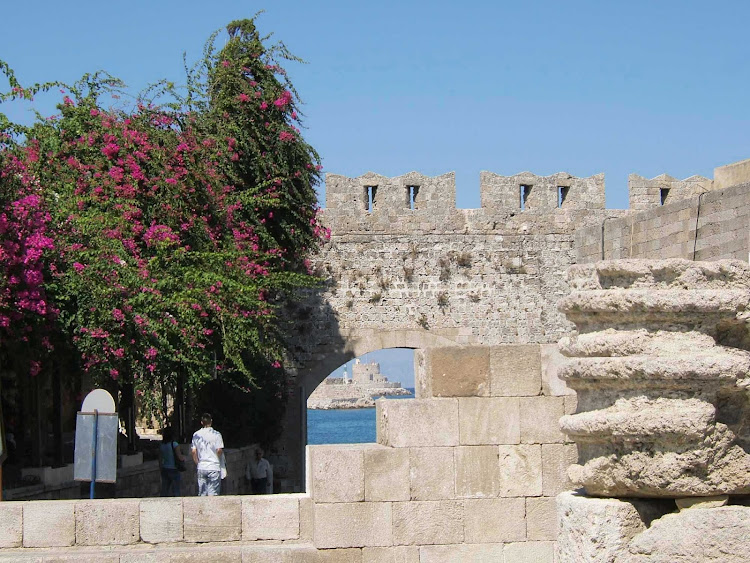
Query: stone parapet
[[466, 476]]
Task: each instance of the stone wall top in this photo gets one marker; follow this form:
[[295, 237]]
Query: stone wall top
[[646, 193], [732, 174], [417, 193], [417, 204]]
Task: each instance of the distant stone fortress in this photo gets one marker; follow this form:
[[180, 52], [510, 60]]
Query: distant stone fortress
[[355, 392]]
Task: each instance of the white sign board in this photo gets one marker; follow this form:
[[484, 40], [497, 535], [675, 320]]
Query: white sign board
[[96, 439], [106, 447], [98, 400]]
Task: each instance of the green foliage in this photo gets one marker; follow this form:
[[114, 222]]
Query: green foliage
[[179, 227]]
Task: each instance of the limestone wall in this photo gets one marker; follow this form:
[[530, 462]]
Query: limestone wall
[[466, 472], [411, 270], [710, 226]]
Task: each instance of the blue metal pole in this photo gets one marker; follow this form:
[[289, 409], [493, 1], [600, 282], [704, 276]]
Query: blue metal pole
[[93, 454]]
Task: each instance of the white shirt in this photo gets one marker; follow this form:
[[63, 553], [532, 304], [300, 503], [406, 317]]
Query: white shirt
[[206, 442], [258, 470]]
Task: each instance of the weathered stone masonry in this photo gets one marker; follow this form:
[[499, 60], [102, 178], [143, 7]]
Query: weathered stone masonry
[[406, 268], [660, 361]]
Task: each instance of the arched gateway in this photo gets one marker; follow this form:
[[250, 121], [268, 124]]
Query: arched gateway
[[406, 269]]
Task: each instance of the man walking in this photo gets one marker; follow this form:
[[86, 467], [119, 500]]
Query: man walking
[[208, 445]]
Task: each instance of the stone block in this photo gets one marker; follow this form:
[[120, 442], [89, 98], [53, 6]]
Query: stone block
[[465, 553], [595, 529], [49, 524], [552, 360], [73, 556], [357, 524], [337, 473], [396, 554], [194, 554], [432, 473], [350, 555], [417, 423], [142, 556], [541, 518], [540, 420], [525, 552], [107, 522], [161, 520], [520, 470], [571, 404], [428, 522], [515, 370], [422, 380], [253, 553], [270, 517], [386, 474], [494, 520], [305, 517], [212, 519], [459, 372], [11, 531], [491, 420], [477, 471], [694, 536], [556, 458]]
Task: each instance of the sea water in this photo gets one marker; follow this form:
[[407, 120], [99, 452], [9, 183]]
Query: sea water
[[343, 426]]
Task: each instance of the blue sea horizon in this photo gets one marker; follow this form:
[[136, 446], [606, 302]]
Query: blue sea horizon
[[344, 426]]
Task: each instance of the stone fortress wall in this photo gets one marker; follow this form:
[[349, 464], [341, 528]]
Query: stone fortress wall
[[469, 469], [403, 258], [406, 268], [700, 219]]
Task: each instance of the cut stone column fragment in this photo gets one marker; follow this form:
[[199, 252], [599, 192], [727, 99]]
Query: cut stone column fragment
[[661, 366]]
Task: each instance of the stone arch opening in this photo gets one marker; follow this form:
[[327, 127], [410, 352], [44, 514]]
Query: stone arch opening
[[366, 342], [342, 408], [325, 361]]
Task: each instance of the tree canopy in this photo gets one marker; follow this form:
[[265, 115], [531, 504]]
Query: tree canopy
[[158, 241]]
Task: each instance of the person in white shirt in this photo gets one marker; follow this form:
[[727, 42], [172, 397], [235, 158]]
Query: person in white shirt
[[259, 473], [207, 449]]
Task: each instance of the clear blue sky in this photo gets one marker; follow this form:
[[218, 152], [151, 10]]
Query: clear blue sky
[[393, 86]]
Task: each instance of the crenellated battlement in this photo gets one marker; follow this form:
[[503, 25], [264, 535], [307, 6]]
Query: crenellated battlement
[[415, 192], [529, 192], [646, 193], [372, 193]]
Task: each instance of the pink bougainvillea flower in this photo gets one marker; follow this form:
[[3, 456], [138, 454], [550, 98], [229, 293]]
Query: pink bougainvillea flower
[[283, 100]]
